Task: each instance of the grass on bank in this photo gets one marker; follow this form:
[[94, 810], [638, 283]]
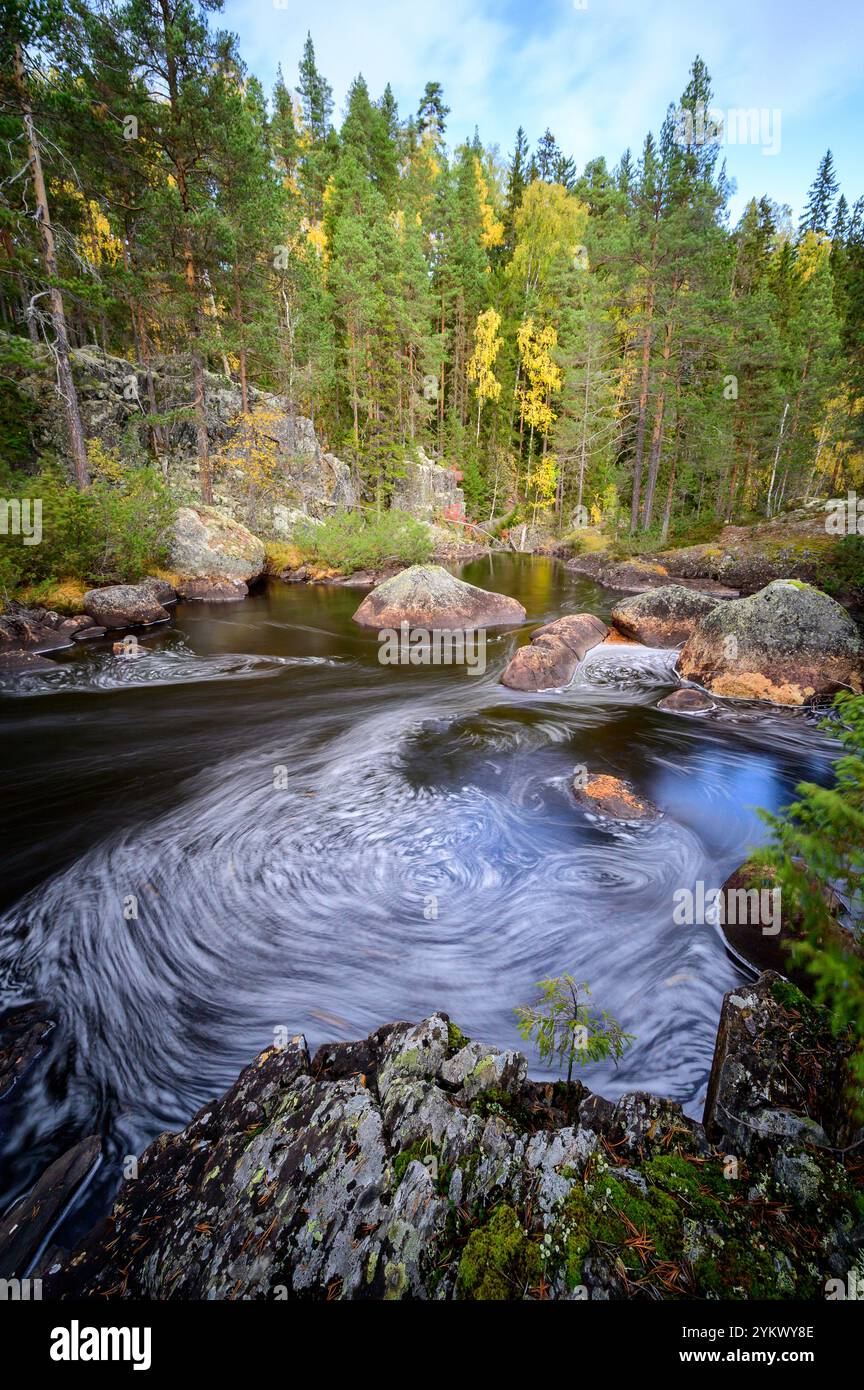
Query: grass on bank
[[364, 539]]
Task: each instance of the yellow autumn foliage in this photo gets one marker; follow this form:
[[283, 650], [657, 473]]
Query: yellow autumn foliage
[[98, 244], [540, 374], [493, 230], [254, 448]]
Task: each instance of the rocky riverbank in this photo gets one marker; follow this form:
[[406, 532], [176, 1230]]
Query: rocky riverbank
[[417, 1164]]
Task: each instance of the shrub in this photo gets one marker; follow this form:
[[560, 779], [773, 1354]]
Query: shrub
[[818, 845], [361, 540], [565, 1028], [113, 532], [843, 569]]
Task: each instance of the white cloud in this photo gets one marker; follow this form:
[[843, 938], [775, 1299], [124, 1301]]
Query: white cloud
[[599, 78]]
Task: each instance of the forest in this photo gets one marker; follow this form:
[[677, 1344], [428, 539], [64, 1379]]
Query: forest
[[583, 346]]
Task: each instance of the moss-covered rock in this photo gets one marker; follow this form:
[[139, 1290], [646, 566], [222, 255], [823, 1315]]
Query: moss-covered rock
[[500, 1261], [788, 644]]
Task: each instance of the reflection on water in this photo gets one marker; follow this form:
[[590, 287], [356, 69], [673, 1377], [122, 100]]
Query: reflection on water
[[317, 841]]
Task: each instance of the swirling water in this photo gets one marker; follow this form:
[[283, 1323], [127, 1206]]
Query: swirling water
[[317, 842]]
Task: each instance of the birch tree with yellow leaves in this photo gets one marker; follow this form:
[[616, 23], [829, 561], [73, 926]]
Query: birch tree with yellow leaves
[[487, 345]]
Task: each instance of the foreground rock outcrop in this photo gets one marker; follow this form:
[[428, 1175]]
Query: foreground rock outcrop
[[554, 652], [417, 1164], [662, 617], [788, 644], [429, 596]]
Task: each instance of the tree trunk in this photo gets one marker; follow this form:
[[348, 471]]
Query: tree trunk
[[200, 400], [657, 434], [643, 409], [667, 511], [65, 383], [776, 459]]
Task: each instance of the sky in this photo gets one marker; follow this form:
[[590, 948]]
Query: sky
[[599, 73]]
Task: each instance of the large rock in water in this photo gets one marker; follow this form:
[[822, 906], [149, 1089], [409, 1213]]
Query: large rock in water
[[663, 617], [788, 644], [428, 596], [124, 605], [551, 658], [207, 543], [417, 1164]]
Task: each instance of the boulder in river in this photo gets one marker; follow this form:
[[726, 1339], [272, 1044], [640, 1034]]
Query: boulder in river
[[124, 605], [30, 630], [611, 798], [213, 590], [686, 700], [555, 650], [22, 1030], [208, 543], [417, 1164], [429, 596], [24, 663], [663, 617], [759, 928], [161, 590], [787, 644]]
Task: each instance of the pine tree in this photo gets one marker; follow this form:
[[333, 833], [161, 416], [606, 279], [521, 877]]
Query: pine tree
[[37, 22], [432, 113], [817, 215]]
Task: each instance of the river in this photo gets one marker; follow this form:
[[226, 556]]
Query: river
[[315, 842]]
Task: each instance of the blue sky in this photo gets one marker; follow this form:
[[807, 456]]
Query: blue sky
[[598, 72]]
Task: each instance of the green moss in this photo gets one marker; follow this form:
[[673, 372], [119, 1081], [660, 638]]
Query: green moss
[[499, 1262], [743, 1268], [456, 1039], [422, 1148], [703, 1185], [622, 1212], [794, 1000], [573, 1235]]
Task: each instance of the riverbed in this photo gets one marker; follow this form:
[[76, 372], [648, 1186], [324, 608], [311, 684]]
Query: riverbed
[[257, 829]]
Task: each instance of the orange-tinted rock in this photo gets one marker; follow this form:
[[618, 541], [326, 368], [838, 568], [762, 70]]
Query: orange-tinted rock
[[613, 799], [788, 644]]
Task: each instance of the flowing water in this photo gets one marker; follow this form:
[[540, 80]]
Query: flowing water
[[316, 842]]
